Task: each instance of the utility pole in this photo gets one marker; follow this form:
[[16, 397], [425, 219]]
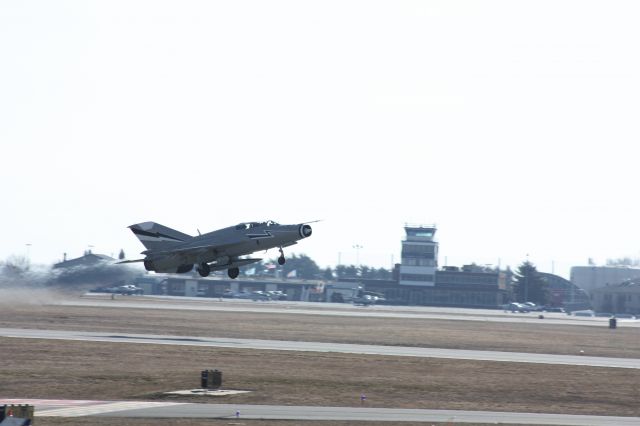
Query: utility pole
[[526, 281], [357, 247]]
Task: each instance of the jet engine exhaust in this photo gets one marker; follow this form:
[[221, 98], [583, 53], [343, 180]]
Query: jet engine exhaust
[[305, 231]]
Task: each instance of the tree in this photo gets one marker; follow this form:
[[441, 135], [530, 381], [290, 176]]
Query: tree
[[327, 274], [305, 267], [530, 285], [383, 274], [623, 261], [351, 271], [365, 272]]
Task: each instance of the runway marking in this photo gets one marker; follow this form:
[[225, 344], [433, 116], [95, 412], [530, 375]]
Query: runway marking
[[102, 408]]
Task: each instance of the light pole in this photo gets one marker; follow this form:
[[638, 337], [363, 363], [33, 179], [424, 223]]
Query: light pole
[[526, 281], [28, 252]]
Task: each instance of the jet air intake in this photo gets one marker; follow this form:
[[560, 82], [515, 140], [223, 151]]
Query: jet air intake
[[305, 230]]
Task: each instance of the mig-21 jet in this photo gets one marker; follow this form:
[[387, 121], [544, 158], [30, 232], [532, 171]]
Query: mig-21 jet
[[172, 251]]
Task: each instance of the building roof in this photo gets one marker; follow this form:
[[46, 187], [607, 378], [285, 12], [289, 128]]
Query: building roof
[[87, 259], [629, 286]]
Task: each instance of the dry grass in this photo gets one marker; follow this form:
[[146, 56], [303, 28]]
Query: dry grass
[[500, 336], [92, 370]]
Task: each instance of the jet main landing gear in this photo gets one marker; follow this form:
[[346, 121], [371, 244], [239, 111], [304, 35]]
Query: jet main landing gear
[[281, 259], [233, 273], [204, 269]]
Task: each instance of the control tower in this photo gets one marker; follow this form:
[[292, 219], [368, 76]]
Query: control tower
[[419, 256]]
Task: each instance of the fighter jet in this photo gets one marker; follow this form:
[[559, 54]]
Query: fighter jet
[[171, 251]]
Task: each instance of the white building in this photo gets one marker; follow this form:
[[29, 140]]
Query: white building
[[618, 298], [589, 278]]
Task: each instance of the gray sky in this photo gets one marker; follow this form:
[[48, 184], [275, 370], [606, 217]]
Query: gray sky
[[512, 125]]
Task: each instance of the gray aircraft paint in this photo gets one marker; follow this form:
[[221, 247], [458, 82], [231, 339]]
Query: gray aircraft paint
[[171, 251]]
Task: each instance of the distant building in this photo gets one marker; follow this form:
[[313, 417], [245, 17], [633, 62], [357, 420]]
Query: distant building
[[563, 292], [419, 256], [192, 285], [89, 259], [590, 278], [618, 298], [471, 286]]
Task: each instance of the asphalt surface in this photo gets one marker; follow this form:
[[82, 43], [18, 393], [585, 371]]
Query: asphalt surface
[[283, 345], [145, 409], [375, 414]]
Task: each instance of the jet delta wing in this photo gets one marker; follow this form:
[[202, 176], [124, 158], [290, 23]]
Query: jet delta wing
[[168, 250]]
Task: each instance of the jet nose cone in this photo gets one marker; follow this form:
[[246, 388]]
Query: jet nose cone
[[305, 231]]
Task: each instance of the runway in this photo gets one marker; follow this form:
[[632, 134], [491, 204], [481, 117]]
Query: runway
[[340, 309], [145, 409], [282, 345]]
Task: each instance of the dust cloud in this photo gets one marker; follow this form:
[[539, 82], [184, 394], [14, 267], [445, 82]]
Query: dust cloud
[[24, 283]]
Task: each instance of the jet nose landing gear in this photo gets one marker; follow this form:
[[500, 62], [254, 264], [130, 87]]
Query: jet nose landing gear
[[281, 259]]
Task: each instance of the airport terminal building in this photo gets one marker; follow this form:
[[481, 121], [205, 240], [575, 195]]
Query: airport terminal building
[[469, 286], [422, 283]]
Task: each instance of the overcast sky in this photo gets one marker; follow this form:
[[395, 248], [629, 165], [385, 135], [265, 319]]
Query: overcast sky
[[512, 125]]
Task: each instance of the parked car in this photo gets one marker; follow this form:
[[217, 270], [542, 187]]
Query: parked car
[[242, 295], [517, 307], [127, 290], [276, 295], [260, 296]]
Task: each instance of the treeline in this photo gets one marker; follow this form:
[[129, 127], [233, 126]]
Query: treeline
[[303, 267]]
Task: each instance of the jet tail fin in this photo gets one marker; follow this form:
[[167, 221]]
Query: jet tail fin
[[157, 237]]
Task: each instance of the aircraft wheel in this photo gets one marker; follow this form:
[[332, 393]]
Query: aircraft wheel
[[233, 273], [281, 260], [148, 265], [204, 270]]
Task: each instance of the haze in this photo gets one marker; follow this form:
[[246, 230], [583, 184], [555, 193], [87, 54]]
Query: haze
[[511, 125]]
